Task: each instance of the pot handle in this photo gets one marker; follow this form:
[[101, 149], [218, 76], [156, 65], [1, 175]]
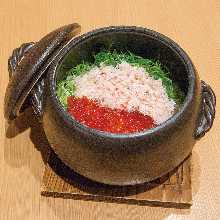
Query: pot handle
[[207, 110], [35, 98]]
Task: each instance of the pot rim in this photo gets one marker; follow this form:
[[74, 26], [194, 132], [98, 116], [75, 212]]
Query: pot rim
[[73, 124]]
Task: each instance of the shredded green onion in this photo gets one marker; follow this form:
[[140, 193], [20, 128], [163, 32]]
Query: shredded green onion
[[66, 86]]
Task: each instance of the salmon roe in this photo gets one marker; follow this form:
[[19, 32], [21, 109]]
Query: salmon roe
[[90, 113]]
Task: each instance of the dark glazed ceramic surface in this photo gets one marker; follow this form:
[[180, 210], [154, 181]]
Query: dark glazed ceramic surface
[[129, 158], [207, 110], [124, 159], [26, 70]]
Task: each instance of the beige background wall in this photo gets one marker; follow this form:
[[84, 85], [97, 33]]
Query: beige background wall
[[193, 24]]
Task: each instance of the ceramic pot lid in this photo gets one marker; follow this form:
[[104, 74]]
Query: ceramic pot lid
[[33, 64]]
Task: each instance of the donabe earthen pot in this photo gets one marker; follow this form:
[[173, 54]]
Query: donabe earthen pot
[[115, 159]]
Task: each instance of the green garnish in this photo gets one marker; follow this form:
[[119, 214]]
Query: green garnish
[[80, 69], [66, 87]]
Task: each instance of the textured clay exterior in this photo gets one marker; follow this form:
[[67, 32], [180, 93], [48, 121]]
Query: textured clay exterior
[[122, 159], [113, 159], [28, 63]]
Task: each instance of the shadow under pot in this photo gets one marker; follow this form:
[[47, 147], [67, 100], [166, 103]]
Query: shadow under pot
[[115, 159]]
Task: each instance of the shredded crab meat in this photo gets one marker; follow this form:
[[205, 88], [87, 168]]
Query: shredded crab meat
[[126, 87]]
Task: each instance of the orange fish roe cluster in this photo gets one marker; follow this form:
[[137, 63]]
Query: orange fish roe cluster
[[92, 114]]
